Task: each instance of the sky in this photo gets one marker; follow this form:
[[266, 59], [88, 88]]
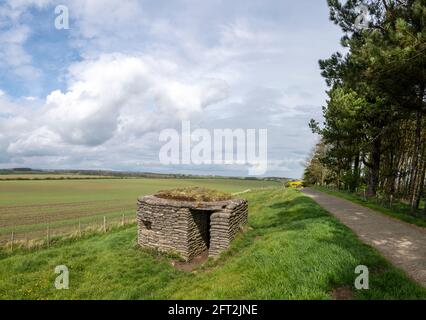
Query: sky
[[98, 94]]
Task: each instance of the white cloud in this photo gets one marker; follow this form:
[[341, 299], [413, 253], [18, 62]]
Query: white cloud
[[40, 142], [120, 87], [146, 65], [16, 4], [186, 99], [13, 37], [11, 124], [9, 107]]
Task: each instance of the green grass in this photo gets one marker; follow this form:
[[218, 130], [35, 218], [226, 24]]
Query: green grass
[[292, 249], [399, 211]]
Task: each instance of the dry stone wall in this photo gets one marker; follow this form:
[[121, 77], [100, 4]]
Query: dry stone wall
[[225, 225], [189, 228]]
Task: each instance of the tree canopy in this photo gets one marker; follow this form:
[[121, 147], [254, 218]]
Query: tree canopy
[[374, 129]]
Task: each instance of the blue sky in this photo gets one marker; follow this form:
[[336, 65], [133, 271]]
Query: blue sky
[[97, 95]]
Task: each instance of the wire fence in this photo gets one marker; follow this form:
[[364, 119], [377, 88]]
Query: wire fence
[[20, 237]]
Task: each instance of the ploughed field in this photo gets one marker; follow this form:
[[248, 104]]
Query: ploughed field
[[40, 209]]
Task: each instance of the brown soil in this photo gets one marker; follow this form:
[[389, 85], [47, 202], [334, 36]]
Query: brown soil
[[193, 264], [342, 293]]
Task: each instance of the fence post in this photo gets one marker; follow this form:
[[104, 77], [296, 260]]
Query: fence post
[[365, 198], [12, 240], [79, 227], [104, 223], [390, 200], [122, 220], [48, 236]]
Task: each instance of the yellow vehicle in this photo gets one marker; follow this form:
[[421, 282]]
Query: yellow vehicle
[[295, 184]]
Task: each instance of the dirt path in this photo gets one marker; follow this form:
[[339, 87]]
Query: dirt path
[[402, 244]]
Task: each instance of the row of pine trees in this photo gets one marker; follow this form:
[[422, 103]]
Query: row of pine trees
[[374, 129]]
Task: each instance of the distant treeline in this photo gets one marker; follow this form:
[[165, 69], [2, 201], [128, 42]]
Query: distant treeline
[[40, 174]]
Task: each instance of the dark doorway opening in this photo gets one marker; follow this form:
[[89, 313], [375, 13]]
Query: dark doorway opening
[[202, 222]]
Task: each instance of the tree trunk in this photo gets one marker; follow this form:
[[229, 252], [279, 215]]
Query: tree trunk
[[356, 173], [420, 191], [374, 168], [421, 182], [424, 209], [415, 164]]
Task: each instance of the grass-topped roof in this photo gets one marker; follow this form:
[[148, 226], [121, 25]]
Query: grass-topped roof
[[196, 194]]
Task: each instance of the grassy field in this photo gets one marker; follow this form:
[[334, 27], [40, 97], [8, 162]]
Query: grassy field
[[292, 249], [27, 208], [400, 211]]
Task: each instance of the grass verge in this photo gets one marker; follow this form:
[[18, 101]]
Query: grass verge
[[399, 211], [292, 249]]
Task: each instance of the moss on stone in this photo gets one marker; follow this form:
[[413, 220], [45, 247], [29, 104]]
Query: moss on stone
[[196, 194]]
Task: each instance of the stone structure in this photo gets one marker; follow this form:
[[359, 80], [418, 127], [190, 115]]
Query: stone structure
[[189, 228]]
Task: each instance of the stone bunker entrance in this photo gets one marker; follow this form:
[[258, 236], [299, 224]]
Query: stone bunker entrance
[[202, 221], [189, 228]]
